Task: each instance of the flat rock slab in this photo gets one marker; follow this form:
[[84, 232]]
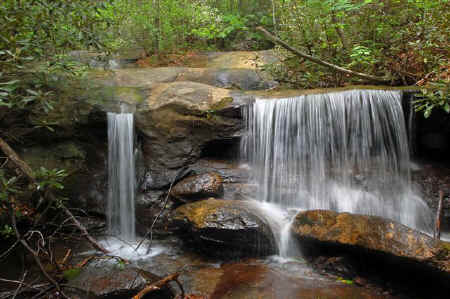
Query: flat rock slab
[[373, 233], [229, 228], [239, 78]]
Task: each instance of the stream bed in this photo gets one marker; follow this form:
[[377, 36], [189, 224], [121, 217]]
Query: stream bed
[[270, 277]]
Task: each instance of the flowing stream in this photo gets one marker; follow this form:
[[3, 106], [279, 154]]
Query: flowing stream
[[343, 151], [121, 176]]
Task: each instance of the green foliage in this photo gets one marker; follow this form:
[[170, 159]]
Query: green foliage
[[6, 231], [7, 186], [50, 179], [401, 39], [42, 30], [434, 95]]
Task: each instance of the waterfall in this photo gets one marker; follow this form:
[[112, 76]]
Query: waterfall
[[121, 179], [343, 151]]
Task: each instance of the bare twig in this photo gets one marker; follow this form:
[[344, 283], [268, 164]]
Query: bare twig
[[157, 217], [66, 257], [6, 253], [4, 163], [20, 285], [24, 288], [84, 231], [19, 282], [319, 61], [159, 214], [437, 229], [34, 254]]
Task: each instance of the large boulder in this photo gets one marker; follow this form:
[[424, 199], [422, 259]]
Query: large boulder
[[177, 120], [228, 228], [199, 186], [372, 233]]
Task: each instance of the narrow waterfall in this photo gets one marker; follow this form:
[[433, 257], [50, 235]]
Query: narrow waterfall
[[343, 151], [121, 179]]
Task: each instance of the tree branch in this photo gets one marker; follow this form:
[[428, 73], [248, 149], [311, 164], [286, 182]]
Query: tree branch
[[159, 284], [275, 39], [26, 169]]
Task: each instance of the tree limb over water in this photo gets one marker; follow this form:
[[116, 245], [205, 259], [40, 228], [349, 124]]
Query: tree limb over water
[[297, 52]]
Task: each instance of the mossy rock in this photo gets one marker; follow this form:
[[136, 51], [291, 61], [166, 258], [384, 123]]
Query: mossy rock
[[371, 233], [225, 228]]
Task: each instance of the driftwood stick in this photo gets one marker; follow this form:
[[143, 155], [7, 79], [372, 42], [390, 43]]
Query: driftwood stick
[[297, 52], [26, 169], [159, 284], [437, 229]]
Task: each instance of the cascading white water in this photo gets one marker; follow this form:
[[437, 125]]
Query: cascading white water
[[343, 151], [121, 179]]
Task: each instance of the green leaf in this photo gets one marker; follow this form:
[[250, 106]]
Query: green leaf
[[447, 107], [30, 91], [10, 82], [71, 273], [427, 112]]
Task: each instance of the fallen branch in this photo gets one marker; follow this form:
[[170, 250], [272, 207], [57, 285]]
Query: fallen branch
[[321, 62], [159, 284], [26, 169]]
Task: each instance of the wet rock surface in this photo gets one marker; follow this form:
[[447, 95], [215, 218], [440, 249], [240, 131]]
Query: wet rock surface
[[225, 228], [430, 179], [111, 279], [177, 120], [199, 186], [372, 233]]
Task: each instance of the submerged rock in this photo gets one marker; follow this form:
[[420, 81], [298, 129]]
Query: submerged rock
[[372, 233], [199, 187], [227, 228]]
